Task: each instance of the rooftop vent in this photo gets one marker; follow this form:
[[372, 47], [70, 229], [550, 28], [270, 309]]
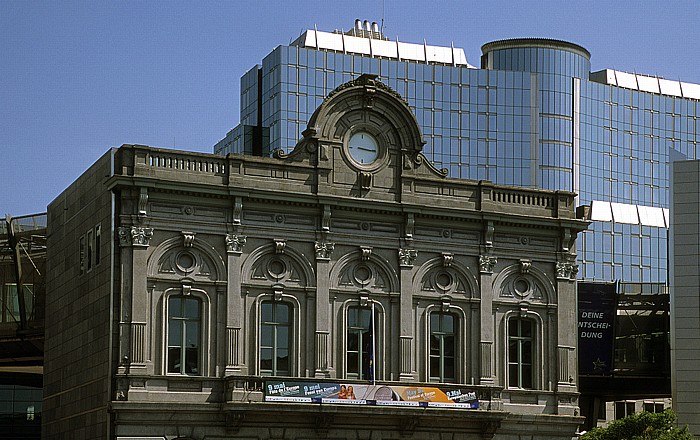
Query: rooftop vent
[[365, 29]]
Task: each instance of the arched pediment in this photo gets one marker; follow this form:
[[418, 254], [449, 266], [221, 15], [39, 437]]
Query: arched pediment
[[372, 273], [266, 265], [199, 260], [365, 104], [445, 276], [524, 282]]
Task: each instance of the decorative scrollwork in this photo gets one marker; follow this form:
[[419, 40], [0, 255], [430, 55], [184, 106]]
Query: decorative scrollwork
[[324, 249], [135, 236], [566, 270], [235, 243], [486, 263], [407, 257]]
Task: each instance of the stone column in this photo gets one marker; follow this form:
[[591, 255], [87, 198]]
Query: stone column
[[407, 370], [323, 367], [566, 328], [487, 337], [235, 364], [134, 323]]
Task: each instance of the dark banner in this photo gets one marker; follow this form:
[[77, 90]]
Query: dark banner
[[359, 394], [597, 305]]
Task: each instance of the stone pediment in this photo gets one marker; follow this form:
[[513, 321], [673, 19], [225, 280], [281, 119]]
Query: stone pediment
[[363, 139]]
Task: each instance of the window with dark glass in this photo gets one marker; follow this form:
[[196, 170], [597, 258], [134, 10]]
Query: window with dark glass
[[361, 343], [275, 338], [443, 346], [520, 353], [184, 335]]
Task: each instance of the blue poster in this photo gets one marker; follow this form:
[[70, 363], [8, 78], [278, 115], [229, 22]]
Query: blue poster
[[597, 307]]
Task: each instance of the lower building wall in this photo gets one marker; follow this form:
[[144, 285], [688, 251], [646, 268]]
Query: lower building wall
[[311, 421]]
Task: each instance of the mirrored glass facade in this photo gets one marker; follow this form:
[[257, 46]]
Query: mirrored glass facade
[[533, 115]]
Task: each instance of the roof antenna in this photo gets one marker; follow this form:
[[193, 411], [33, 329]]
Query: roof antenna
[[381, 30]]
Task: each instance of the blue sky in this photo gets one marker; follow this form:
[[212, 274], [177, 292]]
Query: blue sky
[[77, 78]]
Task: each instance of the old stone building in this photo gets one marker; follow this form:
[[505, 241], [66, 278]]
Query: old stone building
[[348, 289]]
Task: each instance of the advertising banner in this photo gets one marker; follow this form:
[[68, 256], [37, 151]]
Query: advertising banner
[[597, 305], [360, 394]]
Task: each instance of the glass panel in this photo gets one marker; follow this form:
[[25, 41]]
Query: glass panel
[[353, 342], [448, 323], [192, 308], [527, 352], [283, 313], [266, 312], [174, 359], [513, 375], [434, 322], [527, 376], [353, 363], [266, 336], [266, 359], [282, 337], [282, 362], [174, 307], [435, 367], [175, 333], [449, 369], [192, 335], [191, 360], [449, 345]]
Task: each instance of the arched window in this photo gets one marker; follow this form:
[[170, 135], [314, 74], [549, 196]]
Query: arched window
[[275, 338], [184, 335], [443, 347], [361, 343], [520, 352]]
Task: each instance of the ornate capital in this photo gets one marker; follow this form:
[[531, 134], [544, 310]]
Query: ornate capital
[[235, 243], [486, 263], [135, 236], [407, 257], [324, 249], [566, 271]]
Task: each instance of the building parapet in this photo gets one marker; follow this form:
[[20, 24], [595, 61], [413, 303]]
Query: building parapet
[[230, 172], [645, 83]]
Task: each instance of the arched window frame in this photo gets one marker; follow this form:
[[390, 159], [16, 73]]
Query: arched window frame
[[537, 348], [461, 336], [294, 326], [380, 335], [186, 291]]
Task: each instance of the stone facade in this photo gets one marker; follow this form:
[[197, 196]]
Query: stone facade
[[685, 300], [206, 249]]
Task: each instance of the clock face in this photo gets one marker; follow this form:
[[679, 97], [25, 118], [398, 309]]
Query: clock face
[[363, 148]]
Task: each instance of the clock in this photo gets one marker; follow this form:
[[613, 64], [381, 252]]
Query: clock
[[363, 148]]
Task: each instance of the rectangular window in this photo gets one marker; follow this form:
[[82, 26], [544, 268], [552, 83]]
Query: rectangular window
[[443, 346], [98, 244], [184, 322], [90, 246], [81, 255], [361, 341], [275, 338], [520, 353], [623, 409]]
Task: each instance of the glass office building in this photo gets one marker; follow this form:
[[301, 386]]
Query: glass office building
[[532, 115]]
